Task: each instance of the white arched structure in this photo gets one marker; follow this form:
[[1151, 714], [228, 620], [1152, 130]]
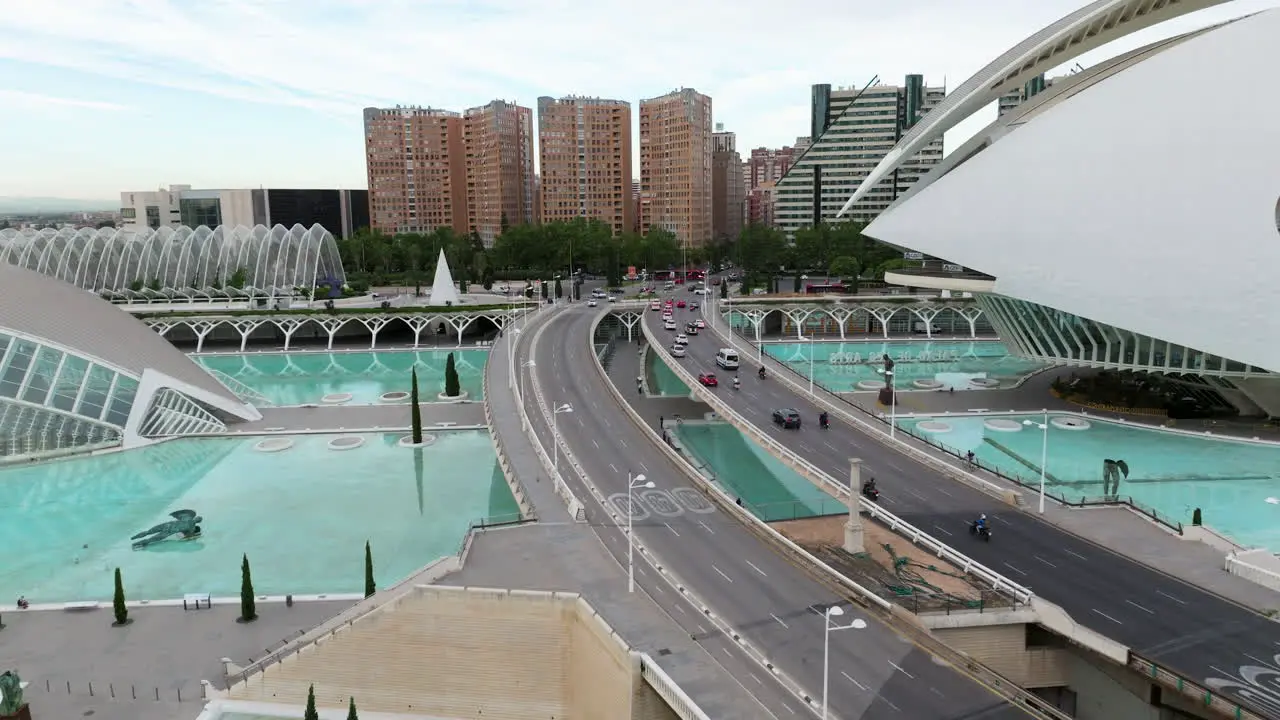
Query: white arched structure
[[226, 261], [1126, 218], [1088, 28]]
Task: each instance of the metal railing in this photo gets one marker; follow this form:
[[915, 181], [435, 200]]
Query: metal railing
[[1205, 697], [676, 699]]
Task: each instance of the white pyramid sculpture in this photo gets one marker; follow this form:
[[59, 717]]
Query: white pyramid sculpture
[[442, 290]]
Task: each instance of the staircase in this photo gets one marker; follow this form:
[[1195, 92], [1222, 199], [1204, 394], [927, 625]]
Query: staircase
[[242, 391]]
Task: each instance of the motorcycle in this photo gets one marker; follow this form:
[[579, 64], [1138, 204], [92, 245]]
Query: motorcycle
[[823, 422], [761, 373], [737, 384], [871, 493], [983, 531]]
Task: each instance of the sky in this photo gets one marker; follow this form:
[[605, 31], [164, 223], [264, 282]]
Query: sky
[[102, 96]]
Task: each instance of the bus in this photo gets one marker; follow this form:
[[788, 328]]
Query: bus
[[820, 288]]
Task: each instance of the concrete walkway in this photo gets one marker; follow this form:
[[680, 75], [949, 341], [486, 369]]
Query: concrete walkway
[[623, 371], [361, 417]]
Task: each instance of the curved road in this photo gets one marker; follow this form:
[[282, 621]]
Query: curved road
[[1160, 617], [875, 673]]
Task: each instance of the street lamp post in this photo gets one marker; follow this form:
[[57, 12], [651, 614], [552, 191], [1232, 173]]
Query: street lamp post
[[511, 359], [526, 364], [858, 624], [555, 435], [811, 346], [1044, 452], [638, 481], [893, 404]]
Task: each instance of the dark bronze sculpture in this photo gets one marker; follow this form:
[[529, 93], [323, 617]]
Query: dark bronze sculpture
[[185, 523]]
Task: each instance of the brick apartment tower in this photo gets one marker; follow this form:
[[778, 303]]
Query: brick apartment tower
[[675, 165], [584, 150], [761, 172], [417, 169], [728, 193], [498, 139]]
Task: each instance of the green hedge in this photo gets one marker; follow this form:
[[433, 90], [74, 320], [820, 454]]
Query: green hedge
[[415, 310]]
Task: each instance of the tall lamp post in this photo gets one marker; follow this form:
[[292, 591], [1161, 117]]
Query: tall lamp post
[[633, 483], [526, 364], [893, 403], [511, 357], [811, 346], [833, 612], [1044, 452], [555, 434]]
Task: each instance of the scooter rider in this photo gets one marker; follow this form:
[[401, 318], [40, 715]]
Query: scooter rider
[[981, 524], [737, 382], [761, 372], [869, 487], [822, 419]]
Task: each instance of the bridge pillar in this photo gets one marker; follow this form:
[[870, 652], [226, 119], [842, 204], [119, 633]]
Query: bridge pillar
[[853, 528]]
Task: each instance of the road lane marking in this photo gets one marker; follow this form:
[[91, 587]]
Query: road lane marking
[[886, 702], [913, 492], [1046, 562], [673, 530], [942, 529], [1013, 568], [899, 669], [944, 492], [726, 577], [1107, 616], [708, 527], [833, 447], [850, 679], [775, 617], [642, 467], [1150, 612], [1180, 602], [1075, 553], [753, 567], [623, 442], [758, 680], [726, 651], [593, 442], [613, 467], [788, 707], [1268, 663]]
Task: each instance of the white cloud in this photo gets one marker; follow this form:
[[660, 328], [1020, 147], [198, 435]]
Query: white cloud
[[19, 100]]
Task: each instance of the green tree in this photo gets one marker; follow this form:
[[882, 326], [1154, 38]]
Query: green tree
[[762, 249], [452, 388], [369, 586], [724, 289], [415, 410], [248, 607], [559, 289], [846, 268], [310, 713], [117, 602], [351, 710], [238, 278], [544, 290], [795, 282], [503, 223]]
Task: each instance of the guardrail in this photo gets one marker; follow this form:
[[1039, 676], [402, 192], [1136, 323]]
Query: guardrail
[[1253, 573], [1020, 594], [523, 501], [910, 625], [576, 509], [668, 690], [1202, 695]]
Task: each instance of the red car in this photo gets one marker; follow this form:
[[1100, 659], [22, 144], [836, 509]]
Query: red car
[[708, 379], [680, 304]]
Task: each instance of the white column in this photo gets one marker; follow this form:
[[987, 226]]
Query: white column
[[853, 528]]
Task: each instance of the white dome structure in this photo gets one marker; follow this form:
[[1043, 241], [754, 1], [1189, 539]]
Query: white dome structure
[[225, 261], [1126, 218]]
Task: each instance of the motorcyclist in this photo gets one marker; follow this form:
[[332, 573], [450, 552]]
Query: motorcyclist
[[737, 382], [762, 372], [981, 524], [822, 419], [869, 487]]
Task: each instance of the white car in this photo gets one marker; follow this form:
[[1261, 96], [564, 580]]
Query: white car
[[667, 317], [592, 302], [669, 325], [655, 305], [682, 339], [613, 299], [700, 291], [677, 350], [700, 323]]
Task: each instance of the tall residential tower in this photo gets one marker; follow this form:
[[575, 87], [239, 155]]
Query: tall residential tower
[[675, 165], [417, 169], [584, 149], [727, 190], [498, 139]]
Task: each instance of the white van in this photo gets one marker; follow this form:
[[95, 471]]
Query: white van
[[727, 358]]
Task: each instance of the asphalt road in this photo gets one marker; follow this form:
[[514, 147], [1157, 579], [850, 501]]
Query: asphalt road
[[875, 673], [1158, 616]]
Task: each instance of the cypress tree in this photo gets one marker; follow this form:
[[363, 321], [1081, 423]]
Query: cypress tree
[[724, 289], [311, 713], [369, 586], [248, 609], [121, 612], [415, 412], [351, 710], [452, 388], [559, 289]]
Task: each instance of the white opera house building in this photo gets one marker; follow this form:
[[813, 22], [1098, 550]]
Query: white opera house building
[[1126, 218]]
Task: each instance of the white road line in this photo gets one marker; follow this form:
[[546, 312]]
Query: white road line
[[642, 467], [726, 651], [941, 529], [1013, 568], [613, 467], [775, 617], [593, 442], [899, 669], [833, 447], [1046, 562], [1180, 602], [624, 442], [707, 527], [937, 692], [700, 628], [895, 707], [894, 465], [1150, 612], [849, 677], [673, 530], [726, 577], [788, 707], [680, 608], [753, 567], [1107, 616], [758, 680], [1074, 553], [1260, 662], [944, 492], [913, 492]]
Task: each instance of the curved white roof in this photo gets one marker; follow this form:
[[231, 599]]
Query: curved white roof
[[1146, 201], [1090, 27]]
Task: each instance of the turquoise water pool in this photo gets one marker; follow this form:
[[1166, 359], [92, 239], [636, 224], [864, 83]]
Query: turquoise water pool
[[662, 379], [1174, 473], [305, 378], [840, 366], [302, 515], [766, 486]]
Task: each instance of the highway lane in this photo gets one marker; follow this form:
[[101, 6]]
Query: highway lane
[[1159, 616], [875, 672]]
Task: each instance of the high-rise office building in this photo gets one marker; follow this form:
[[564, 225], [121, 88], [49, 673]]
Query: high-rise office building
[[584, 148], [417, 169], [675, 165], [728, 193], [498, 141], [1030, 89], [853, 129]]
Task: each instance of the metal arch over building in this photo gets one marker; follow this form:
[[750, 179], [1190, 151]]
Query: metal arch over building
[[1088, 28], [77, 373], [226, 261]]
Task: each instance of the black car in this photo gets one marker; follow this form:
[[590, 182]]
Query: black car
[[787, 418]]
